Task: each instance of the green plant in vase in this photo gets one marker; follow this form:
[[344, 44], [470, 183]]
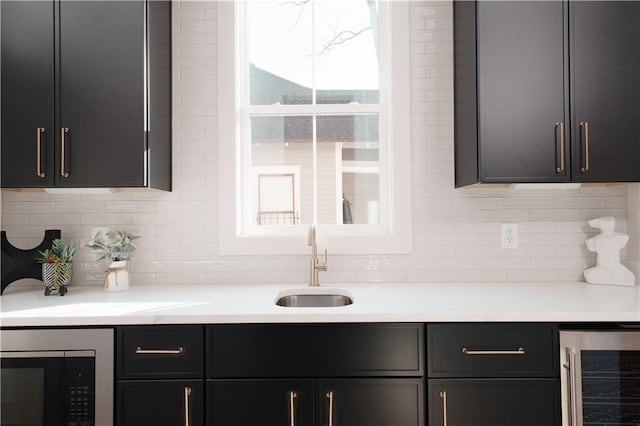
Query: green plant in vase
[[57, 266], [116, 247]]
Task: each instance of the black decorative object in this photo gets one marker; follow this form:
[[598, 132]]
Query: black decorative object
[[17, 263]]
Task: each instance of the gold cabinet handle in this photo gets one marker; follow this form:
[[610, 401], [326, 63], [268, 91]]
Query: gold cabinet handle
[[63, 136], [39, 132], [585, 167], [141, 351], [560, 169], [187, 396], [443, 395], [519, 351], [292, 407], [330, 396]]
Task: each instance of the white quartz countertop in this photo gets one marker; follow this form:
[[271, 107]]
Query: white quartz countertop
[[386, 302]]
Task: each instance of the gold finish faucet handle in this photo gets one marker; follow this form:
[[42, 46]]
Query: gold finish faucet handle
[[323, 266]]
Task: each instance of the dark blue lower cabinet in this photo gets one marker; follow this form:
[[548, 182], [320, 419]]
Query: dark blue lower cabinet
[[277, 402], [322, 402], [369, 402], [494, 402], [160, 402]]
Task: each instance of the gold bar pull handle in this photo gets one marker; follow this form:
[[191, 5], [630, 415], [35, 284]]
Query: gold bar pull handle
[[560, 168], [329, 395], [519, 351], [584, 125], [443, 395], [63, 143], [141, 351], [39, 132], [292, 407], [187, 397]]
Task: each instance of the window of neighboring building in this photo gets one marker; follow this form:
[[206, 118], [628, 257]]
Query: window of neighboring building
[[318, 87]]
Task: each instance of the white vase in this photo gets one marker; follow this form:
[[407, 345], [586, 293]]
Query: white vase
[[116, 277]]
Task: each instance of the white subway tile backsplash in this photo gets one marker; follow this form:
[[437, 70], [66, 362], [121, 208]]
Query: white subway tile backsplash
[[14, 219], [198, 26], [481, 276], [58, 219], [553, 215], [552, 275], [79, 207], [432, 276], [573, 263], [456, 231], [28, 207], [106, 219]]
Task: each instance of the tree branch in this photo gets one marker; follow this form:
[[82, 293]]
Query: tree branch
[[343, 37], [296, 3]]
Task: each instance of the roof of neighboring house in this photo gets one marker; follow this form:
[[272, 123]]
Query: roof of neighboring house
[[269, 89]]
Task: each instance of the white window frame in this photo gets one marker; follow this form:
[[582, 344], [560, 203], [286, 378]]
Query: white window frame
[[394, 235]]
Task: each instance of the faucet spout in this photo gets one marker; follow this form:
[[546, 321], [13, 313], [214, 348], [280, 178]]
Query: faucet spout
[[315, 265]]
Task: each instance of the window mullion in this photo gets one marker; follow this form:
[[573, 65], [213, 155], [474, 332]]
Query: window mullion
[[314, 141], [322, 109]]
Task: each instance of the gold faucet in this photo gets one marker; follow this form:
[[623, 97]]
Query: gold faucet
[[316, 266]]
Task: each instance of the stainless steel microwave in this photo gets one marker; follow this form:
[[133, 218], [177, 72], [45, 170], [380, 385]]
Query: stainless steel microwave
[[56, 377]]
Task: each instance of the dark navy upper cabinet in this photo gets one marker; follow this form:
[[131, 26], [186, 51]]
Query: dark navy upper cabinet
[[27, 129], [605, 65], [86, 94], [545, 91]]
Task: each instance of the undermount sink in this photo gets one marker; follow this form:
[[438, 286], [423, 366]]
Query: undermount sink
[[314, 298]]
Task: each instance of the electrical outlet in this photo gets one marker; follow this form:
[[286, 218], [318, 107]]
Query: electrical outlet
[[509, 236]]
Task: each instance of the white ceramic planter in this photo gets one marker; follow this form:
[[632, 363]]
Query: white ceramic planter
[[117, 276]]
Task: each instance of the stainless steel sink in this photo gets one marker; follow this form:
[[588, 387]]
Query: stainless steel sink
[[314, 300]]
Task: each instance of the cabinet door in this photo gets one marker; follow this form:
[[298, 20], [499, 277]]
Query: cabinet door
[[369, 402], [494, 402], [27, 93], [492, 350], [102, 96], [159, 402], [159, 352], [605, 63], [259, 402], [314, 350], [521, 91]]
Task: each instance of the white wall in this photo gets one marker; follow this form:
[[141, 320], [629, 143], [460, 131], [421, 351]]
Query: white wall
[[456, 232]]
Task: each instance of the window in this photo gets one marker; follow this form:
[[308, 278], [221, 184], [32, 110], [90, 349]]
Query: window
[[317, 122]]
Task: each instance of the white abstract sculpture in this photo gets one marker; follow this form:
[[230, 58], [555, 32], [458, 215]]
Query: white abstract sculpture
[[607, 246]]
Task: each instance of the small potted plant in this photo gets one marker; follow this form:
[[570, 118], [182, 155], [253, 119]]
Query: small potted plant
[[56, 266], [116, 247]]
